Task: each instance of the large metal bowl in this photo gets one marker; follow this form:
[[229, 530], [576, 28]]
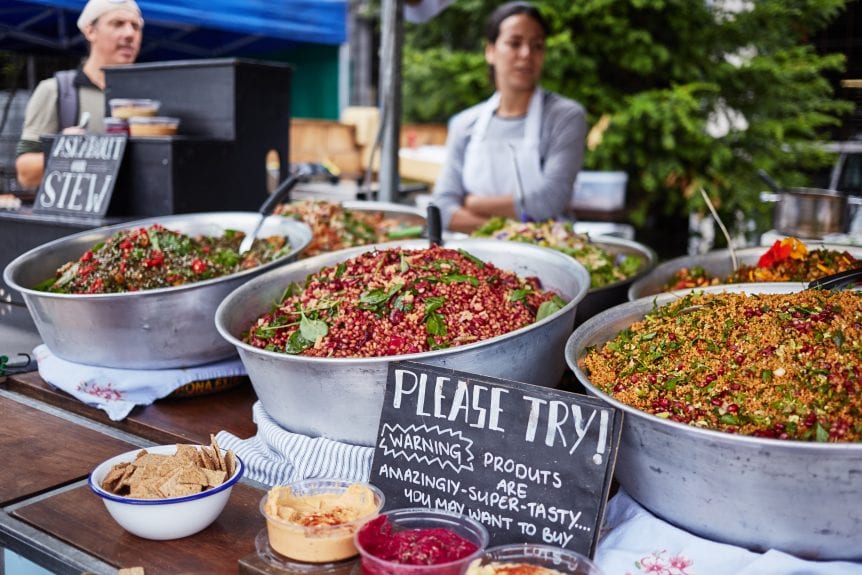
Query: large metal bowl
[[151, 329], [802, 498], [401, 215], [717, 263], [407, 215], [601, 298], [341, 398]]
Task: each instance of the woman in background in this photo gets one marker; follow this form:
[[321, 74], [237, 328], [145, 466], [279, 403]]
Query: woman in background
[[521, 123]]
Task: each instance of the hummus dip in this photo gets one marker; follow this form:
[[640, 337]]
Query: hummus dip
[[509, 569], [317, 527]]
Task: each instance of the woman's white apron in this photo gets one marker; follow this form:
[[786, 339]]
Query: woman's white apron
[[489, 165]]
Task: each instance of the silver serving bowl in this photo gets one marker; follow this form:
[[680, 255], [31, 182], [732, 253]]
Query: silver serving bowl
[[601, 298], [402, 214], [341, 398], [802, 498], [409, 215], [150, 329], [717, 263]]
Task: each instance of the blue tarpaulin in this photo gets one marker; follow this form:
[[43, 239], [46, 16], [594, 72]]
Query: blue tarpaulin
[[183, 28]]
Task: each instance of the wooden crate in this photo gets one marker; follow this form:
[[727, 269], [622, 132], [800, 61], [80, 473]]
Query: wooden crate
[[326, 141]]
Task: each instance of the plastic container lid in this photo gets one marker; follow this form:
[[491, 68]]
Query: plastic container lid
[[127, 107], [320, 542], [154, 120], [143, 102]]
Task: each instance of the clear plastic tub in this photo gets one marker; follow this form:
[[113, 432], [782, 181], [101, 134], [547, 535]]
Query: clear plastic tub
[[324, 537], [125, 108], [600, 191], [116, 126], [539, 559], [374, 536], [153, 126]]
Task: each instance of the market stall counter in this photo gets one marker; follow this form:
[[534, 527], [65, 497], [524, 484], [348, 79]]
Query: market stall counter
[[51, 442]]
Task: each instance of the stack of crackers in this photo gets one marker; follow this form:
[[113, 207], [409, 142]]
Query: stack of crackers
[[190, 470]]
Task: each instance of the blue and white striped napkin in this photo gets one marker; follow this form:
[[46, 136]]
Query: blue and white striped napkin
[[275, 456]]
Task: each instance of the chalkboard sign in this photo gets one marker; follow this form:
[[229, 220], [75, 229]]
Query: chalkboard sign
[[532, 464], [80, 173]]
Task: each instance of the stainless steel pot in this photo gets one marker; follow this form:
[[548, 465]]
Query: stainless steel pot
[[151, 329], [341, 398], [802, 498], [811, 213], [601, 298], [717, 263]]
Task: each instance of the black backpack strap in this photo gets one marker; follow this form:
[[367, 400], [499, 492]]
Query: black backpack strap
[[67, 98]]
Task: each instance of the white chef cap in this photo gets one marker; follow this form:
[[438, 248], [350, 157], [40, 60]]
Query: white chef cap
[[96, 8]]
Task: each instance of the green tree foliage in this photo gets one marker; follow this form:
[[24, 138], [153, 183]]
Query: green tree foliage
[[656, 72]]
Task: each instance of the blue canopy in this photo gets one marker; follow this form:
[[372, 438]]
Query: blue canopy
[[184, 28]]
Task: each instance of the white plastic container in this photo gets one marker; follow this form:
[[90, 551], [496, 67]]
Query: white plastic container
[[600, 191]]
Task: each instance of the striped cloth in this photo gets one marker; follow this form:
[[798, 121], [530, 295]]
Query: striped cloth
[[275, 456]]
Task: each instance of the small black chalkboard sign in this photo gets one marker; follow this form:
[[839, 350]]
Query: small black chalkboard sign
[[80, 173], [532, 464]]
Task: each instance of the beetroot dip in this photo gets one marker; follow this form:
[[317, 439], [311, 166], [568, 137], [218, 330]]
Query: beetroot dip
[[407, 547]]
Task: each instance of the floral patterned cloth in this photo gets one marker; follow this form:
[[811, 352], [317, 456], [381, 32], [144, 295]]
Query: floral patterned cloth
[[635, 542], [118, 391]]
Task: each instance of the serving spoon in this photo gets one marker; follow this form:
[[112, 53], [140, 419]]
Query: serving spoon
[[269, 205]]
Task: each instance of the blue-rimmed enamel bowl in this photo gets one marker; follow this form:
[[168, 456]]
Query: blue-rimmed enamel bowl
[[163, 519]]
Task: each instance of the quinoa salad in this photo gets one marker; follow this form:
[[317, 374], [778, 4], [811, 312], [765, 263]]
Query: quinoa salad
[[605, 268], [335, 228], [788, 260], [397, 301], [784, 366], [156, 257]]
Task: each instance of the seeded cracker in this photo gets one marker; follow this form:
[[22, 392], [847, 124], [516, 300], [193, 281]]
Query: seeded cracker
[[217, 452], [153, 476], [230, 462]]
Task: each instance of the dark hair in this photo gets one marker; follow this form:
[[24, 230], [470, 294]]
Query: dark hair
[[503, 11], [492, 28]]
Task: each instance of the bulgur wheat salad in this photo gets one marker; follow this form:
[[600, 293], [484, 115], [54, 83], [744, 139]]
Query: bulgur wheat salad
[[785, 366], [397, 301], [156, 257]]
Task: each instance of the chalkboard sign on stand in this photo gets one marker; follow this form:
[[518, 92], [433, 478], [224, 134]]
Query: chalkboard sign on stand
[[80, 174], [533, 464]]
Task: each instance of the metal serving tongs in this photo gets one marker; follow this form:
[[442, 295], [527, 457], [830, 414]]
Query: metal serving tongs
[[837, 281], [269, 205], [435, 226], [724, 231]]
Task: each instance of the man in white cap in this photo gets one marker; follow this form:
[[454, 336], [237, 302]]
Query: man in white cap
[[114, 30]]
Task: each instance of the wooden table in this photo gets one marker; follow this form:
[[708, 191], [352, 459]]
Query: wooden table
[[43, 451], [79, 518], [51, 442], [188, 419]]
